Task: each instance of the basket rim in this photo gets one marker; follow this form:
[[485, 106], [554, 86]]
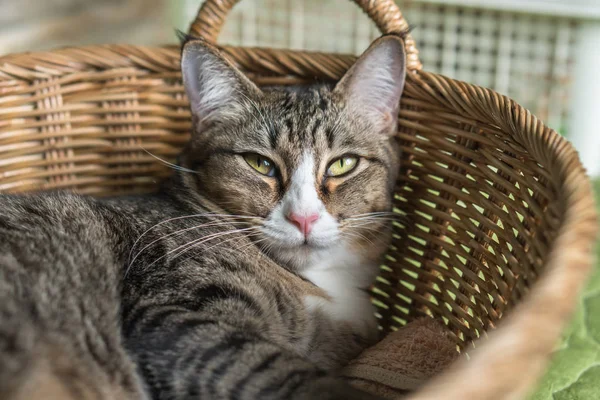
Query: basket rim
[[567, 265]]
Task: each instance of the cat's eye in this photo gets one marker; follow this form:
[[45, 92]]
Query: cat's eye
[[261, 164], [342, 166]]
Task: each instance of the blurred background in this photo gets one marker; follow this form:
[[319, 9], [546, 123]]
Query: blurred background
[[545, 54]]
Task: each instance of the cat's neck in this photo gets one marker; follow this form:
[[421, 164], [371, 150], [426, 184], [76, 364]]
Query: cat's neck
[[340, 267], [345, 278]]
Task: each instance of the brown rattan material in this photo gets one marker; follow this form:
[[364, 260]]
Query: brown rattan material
[[497, 215]]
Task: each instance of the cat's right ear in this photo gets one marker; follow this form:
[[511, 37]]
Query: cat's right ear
[[215, 88]]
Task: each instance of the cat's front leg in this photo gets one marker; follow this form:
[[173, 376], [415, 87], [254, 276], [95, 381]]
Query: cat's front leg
[[346, 325], [188, 355], [343, 312]]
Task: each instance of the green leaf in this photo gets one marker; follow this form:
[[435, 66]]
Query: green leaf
[[574, 373]]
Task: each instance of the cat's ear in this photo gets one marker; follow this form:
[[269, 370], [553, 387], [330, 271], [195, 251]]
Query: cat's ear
[[216, 89], [373, 85]]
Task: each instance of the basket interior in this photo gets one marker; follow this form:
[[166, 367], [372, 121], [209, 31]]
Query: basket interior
[[477, 216], [477, 211]]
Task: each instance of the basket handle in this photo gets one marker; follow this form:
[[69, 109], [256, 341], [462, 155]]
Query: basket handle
[[385, 14]]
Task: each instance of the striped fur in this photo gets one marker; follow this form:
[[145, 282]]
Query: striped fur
[[206, 290]]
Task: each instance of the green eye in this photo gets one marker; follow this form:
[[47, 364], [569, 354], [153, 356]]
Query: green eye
[[342, 166], [261, 164]]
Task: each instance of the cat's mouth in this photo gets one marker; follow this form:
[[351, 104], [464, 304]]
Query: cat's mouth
[[305, 245], [280, 242], [312, 245]]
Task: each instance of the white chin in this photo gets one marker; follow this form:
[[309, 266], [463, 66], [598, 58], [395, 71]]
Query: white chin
[[299, 254]]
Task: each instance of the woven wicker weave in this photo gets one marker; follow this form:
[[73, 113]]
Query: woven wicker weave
[[497, 212]]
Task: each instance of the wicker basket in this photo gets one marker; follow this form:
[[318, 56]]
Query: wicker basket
[[498, 214]]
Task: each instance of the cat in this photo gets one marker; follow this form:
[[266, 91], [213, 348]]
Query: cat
[[245, 276]]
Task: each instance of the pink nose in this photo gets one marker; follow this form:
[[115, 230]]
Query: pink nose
[[304, 223]]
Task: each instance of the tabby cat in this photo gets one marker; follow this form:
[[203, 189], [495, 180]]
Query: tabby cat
[[244, 277]]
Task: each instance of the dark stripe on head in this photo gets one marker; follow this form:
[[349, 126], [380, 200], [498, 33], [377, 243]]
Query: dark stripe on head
[[290, 100], [289, 124], [315, 130], [272, 137], [329, 135], [322, 102]]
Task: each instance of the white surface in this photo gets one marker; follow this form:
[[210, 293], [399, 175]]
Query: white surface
[[584, 129], [562, 8]]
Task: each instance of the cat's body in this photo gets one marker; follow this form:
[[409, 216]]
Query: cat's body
[[228, 283], [62, 292]]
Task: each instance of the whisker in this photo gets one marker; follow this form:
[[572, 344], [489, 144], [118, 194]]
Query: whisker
[[230, 249], [376, 235], [386, 215], [247, 245], [184, 217], [356, 236], [375, 213], [376, 238], [181, 231], [252, 243], [364, 223], [171, 165], [358, 224], [215, 245], [197, 242], [374, 218], [380, 219]]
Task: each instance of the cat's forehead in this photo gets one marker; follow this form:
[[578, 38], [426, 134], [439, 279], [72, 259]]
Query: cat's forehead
[[307, 120], [301, 106]]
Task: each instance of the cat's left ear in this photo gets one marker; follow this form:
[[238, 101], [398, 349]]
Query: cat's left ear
[[373, 85]]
